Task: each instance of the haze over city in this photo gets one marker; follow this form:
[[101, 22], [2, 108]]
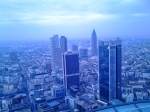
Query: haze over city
[[39, 20], [74, 56]]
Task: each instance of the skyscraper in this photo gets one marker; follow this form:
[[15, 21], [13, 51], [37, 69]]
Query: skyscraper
[[55, 53], [71, 69], [63, 44], [74, 47], [83, 52], [94, 43], [110, 70]]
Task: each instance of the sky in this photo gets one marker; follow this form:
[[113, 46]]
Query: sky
[[75, 19]]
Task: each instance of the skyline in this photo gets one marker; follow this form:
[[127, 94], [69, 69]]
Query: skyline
[[39, 20]]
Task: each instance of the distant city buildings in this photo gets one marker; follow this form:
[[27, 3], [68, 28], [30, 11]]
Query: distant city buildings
[[110, 70], [55, 53], [71, 69], [63, 44], [26, 83], [94, 44], [13, 57]]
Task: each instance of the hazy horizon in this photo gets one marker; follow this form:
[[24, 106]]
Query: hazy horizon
[[39, 20]]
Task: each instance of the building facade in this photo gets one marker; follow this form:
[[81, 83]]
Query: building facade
[[63, 44], [74, 47], [71, 69], [83, 52], [55, 53], [58, 91], [94, 44], [110, 70]]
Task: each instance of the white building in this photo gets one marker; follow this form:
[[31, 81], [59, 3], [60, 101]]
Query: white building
[[55, 53]]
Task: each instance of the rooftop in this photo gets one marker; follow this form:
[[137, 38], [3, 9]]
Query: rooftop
[[143, 106]]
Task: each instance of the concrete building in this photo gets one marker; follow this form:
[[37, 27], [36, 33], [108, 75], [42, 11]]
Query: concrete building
[[63, 44], [58, 91], [56, 56]]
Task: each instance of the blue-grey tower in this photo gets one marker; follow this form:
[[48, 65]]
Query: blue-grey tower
[[110, 70], [71, 69], [63, 44], [94, 44], [55, 53]]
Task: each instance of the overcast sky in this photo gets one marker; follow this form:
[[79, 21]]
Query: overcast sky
[[41, 19]]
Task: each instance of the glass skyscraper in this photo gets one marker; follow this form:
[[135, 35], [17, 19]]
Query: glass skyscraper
[[110, 70], [63, 44], [71, 69]]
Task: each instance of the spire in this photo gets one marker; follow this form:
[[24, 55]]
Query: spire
[[94, 33], [94, 43]]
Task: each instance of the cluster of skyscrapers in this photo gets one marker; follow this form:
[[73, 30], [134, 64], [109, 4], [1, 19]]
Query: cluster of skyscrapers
[[109, 57], [84, 78], [67, 62]]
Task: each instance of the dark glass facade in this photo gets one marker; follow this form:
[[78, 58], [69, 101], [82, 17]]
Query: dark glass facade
[[71, 69], [110, 70], [72, 80], [72, 64], [103, 71], [118, 71]]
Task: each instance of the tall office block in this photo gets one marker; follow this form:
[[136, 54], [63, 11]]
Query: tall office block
[[71, 69], [94, 43], [83, 52], [56, 56], [63, 44], [74, 47], [110, 70]]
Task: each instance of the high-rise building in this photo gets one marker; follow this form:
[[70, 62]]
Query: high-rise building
[[83, 52], [56, 56], [71, 69], [110, 70], [63, 44], [94, 44], [74, 47]]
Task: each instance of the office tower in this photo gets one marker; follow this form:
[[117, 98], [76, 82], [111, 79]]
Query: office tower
[[83, 52], [63, 44], [74, 47], [110, 70], [94, 43], [56, 56], [71, 69]]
